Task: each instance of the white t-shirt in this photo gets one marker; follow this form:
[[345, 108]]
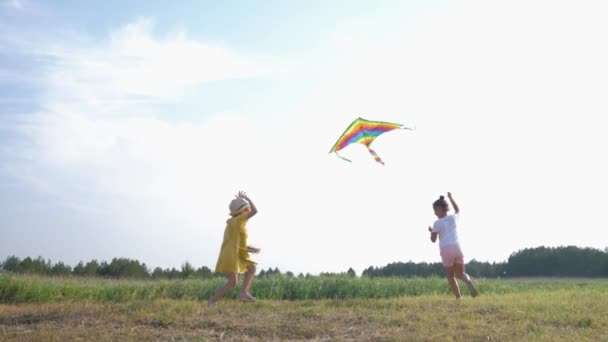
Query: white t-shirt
[[446, 227]]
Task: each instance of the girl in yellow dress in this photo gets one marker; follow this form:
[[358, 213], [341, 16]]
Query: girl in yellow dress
[[234, 256]]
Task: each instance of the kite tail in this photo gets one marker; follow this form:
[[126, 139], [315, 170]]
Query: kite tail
[[339, 156], [375, 155]]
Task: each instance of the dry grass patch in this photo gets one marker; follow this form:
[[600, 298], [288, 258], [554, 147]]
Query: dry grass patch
[[552, 316]]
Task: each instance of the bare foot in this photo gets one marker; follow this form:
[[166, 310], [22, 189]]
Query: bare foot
[[246, 297]]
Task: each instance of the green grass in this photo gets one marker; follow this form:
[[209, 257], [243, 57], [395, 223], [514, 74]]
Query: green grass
[[318, 308], [557, 315], [32, 289]]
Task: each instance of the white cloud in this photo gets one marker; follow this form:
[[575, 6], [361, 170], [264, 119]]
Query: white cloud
[[133, 63], [151, 67], [100, 135], [507, 101]]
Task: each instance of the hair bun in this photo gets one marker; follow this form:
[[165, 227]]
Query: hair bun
[[441, 197]]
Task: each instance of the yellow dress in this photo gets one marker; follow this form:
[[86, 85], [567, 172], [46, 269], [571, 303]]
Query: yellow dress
[[234, 257]]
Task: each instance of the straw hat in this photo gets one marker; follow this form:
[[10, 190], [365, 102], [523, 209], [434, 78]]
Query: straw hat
[[237, 205]]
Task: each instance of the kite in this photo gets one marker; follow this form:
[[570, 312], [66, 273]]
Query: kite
[[364, 132]]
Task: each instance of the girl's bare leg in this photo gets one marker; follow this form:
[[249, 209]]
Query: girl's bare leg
[[233, 279], [248, 280], [460, 274], [449, 273]]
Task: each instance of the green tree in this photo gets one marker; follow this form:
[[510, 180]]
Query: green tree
[[11, 264], [60, 269], [173, 273], [158, 273], [564, 261], [79, 269], [34, 266], [204, 272], [123, 268], [187, 270], [91, 268]]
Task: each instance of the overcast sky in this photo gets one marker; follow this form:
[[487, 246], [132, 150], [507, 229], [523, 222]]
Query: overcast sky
[[127, 127]]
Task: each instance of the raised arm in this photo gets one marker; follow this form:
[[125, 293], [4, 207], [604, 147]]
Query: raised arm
[[454, 205], [254, 210]]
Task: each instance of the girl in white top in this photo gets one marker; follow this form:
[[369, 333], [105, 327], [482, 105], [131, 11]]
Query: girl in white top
[[446, 227]]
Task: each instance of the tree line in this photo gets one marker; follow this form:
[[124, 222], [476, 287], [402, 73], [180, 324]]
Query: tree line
[[117, 268], [570, 261]]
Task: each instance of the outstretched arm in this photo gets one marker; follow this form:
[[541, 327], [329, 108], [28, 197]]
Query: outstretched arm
[[254, 210], [454, 205]]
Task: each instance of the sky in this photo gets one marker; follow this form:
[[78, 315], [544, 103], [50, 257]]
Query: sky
[[127, 127]]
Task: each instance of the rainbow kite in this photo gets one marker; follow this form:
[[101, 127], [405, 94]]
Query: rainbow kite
[[364, 132]]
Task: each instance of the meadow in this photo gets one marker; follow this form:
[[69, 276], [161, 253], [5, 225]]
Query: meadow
[[314, 308]]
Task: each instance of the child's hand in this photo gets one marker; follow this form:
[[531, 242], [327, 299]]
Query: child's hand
[[253, 209], [253, 250], [243, 195], [449, 195], [433, 235]]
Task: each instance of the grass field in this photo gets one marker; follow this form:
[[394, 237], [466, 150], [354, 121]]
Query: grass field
[[340, 308]]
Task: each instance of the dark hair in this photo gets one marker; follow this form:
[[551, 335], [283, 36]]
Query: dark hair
[[441, 203]]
